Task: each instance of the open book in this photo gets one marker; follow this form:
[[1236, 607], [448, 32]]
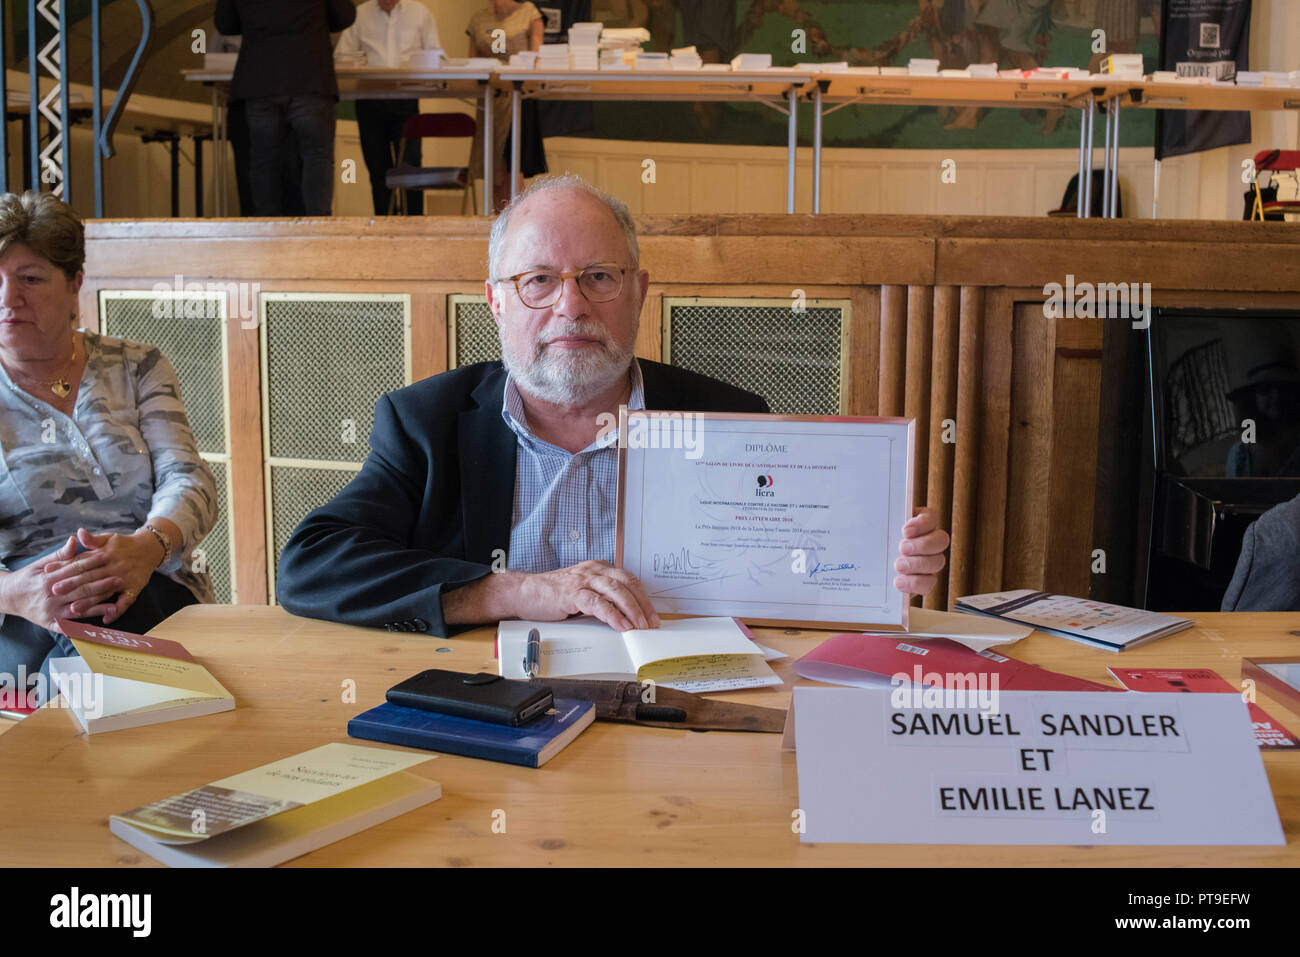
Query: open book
[[123, 680], [689, 654], [279, 811]]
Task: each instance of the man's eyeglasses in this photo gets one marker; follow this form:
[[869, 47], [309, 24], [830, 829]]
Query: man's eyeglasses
[[542, 287]]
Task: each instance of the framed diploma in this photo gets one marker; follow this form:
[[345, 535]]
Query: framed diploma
[[773, 519]]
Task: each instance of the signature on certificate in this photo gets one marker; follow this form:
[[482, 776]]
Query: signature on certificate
[[819, 567], [678, 561]]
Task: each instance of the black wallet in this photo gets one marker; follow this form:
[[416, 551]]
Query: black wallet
[[479, 697]]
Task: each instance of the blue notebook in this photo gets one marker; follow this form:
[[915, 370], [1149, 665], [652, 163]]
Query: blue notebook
[[531, 745]]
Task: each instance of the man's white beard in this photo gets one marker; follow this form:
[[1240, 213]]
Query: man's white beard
[[567, 376]]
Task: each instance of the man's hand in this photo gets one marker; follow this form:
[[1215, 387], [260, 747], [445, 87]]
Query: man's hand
[[593, 588], [922, 548], [128, 560], [28, 592]]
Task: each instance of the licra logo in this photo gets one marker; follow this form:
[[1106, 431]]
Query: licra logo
[[1103, 300], [75, 909], [764, 489], [186, 300], [654, 430]]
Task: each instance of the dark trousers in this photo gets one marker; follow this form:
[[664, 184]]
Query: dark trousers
[[310, 120], [290, 171], [26, 648], [380, 125]]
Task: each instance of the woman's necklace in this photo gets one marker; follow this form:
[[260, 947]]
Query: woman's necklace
[[59, 385]]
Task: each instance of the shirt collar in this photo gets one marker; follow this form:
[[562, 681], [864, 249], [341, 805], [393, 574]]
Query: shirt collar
[[512, 406]]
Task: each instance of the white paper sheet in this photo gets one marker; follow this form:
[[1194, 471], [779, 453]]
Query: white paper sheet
[[1163, 769]]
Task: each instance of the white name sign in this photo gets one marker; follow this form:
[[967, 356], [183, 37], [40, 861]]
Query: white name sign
[[1046, 768]]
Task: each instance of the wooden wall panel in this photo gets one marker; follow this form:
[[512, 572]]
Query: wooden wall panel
[[966, 462], [246, 476], [916, 392], [935, 332], [943, 405], [1076, 382], [893, 350], [1029, 475], [994, 434], [428, 334], [863, 395]]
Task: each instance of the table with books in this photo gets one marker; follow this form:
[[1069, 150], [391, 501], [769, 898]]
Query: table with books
[[617, 795]]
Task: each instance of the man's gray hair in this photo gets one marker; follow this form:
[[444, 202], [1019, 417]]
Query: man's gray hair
[[496, 240]]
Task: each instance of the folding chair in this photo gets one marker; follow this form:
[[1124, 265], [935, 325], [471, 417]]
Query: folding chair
[[1274, 162], [403, 176]]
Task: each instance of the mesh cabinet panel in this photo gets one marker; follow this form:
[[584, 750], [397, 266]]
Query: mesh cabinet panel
[[328, 360], [295, 491], [793, 359], [187, 330], [216, 547], [471, 331]]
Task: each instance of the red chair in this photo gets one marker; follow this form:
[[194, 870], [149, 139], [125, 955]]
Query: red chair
[[1274, 162], [403, 176]]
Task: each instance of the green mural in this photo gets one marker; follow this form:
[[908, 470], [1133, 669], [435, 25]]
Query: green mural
[[1013, 33]]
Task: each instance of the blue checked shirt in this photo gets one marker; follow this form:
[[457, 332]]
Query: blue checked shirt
[[564, 510]]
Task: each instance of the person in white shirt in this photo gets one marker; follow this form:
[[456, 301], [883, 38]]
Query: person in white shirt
[[388, 31]]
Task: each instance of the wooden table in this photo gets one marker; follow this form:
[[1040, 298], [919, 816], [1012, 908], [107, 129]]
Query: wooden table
[[619, 795]]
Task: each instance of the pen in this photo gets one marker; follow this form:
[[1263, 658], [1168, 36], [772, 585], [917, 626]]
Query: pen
[[532, 653]]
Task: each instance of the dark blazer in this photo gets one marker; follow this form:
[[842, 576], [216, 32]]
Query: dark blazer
[[435, 497], [1267, 577], [286, 45]]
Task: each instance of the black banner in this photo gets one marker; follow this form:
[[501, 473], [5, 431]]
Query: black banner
[[1202, 38]]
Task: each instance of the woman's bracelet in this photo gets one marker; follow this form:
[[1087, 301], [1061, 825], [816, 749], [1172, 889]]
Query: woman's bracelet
[[162, 540]]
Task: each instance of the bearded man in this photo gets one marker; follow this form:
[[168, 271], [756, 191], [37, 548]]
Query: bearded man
[[490, 491]]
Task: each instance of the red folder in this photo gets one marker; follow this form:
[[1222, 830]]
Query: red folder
[[1269, 734], [873, 661]]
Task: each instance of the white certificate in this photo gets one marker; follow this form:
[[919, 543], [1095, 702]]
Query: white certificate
[[774, 519]]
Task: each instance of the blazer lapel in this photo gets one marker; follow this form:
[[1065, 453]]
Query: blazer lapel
[[487, 471]]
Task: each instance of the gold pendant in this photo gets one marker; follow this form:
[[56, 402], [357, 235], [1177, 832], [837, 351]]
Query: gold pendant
[[61, 388]]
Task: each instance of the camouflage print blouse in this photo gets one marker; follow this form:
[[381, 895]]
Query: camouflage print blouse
[[127, 455]]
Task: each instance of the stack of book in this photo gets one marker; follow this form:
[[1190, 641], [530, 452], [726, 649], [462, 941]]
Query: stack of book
[[686, 58], [651, 61], [584, 45], [840, 66], [984, 71], [526, 59], [1123, 64], [614, 58], [623, 38], [420, 59], [553, 56], [920, 67], [751, 61], [1265, 78]]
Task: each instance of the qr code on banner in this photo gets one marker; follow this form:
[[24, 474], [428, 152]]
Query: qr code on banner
[[1209, 35]]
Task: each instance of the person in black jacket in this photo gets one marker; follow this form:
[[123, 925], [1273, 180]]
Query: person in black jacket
[[285, 79], [499, 466]]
